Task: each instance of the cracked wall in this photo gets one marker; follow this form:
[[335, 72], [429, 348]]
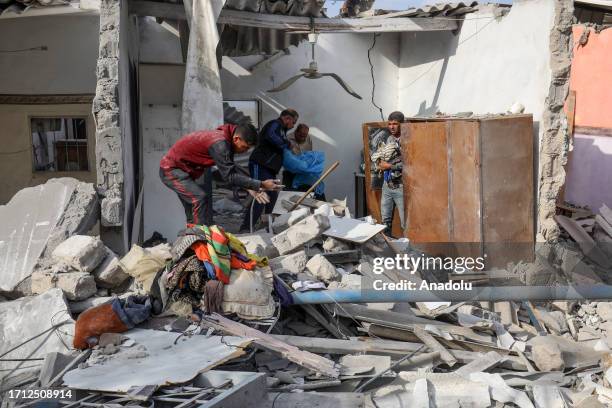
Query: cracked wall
[[555, 140]]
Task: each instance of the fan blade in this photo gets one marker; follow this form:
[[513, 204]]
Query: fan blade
[[342, 84], [286, 84]]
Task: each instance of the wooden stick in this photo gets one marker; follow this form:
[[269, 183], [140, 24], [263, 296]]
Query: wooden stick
[[311, 189]]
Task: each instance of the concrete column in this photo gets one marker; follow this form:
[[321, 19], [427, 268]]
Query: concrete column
[[555, 142], [109, 160]]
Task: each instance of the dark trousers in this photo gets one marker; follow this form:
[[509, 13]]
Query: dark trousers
[[191, 194], [259, 173]]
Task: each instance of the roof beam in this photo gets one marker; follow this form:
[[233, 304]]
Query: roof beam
[[296, 23]]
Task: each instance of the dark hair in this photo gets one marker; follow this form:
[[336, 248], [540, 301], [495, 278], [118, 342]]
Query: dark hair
[[290, 112], [397, 115], [302, 126], [247, 132]]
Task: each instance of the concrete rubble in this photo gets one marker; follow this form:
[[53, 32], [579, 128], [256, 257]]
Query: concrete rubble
[[528, 353]]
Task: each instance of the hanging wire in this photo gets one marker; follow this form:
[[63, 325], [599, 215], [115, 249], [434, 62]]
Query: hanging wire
[[39, 48], [382, 116]]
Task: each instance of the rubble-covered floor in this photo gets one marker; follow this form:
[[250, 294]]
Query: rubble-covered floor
[[181, 338]]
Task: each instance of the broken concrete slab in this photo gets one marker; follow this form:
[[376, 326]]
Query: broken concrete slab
[[256, 243], [352, 230], [447, 390], [303, 358], [500, 391], [81, 252], [26, 223], [284, 221], [27, 317], [293, 263], [604, 311], [81, 306], [314, 399], [546, 354], [75, 285], [322, 269], [109, 273], [334, 245], [164, 361], [300, 233], [80, 215], [587, 244]]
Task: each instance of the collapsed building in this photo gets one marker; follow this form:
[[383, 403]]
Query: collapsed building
[[100, 114]]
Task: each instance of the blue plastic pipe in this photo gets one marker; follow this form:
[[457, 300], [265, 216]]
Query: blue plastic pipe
[[499, 293]]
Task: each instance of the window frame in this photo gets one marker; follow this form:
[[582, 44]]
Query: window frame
[[88, 139]]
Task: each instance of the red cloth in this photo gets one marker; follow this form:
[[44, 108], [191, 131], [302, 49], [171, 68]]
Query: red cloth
[[238, 264], [190, 152]]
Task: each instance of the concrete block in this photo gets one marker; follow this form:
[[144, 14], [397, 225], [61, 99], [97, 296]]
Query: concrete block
[[109, 273], [112, 212], [546, 354], [322, 269], [26, 317], [292, 263], [256, 243], [300, 233], [604, 311], [80, 214], [334, 245], [81, 252], [53, 364], [284, 221], [75, 285], [82, 305]]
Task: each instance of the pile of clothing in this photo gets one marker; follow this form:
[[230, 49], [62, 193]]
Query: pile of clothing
[[212, 271]]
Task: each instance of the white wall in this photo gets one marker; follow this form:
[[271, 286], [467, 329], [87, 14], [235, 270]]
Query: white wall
[[162, 210], [69, 64], [490, 65], [334, 116]]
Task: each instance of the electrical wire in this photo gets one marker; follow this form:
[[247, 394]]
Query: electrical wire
[[382, 116], [39, 48]]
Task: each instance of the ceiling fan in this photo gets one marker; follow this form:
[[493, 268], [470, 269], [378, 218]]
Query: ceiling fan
[[312, 72]]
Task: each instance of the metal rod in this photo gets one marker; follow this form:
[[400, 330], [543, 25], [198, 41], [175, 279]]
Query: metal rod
[[398, 362], [499, 293], [311, 189]]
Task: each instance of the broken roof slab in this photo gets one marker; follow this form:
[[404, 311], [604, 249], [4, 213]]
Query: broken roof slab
[[27, 317], [168, 361], [26, 222]]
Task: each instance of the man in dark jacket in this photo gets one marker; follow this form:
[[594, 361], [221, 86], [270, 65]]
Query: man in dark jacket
[[267, 159], [186, 161]]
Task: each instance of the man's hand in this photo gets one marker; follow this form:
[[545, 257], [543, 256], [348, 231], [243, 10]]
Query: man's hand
[[383, 165], [271, 185], [260, 196]]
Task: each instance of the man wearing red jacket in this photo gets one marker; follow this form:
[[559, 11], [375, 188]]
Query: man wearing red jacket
[[187, 160]]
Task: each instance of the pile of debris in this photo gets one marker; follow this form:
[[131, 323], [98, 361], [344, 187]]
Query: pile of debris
[[212, 320]]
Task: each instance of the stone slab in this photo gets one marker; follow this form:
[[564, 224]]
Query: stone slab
[[27, 317], [26, 223]]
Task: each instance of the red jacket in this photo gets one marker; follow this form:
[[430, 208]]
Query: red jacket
[[190, 152]]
